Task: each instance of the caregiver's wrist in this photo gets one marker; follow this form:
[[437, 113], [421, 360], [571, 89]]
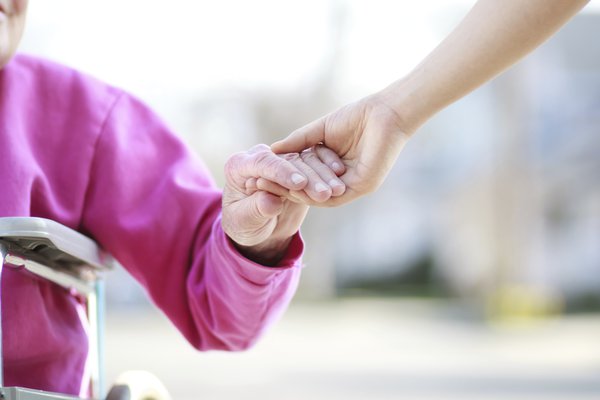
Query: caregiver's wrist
[[406, 97]]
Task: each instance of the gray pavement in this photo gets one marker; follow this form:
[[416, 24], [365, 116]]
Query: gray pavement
[[371, 349]]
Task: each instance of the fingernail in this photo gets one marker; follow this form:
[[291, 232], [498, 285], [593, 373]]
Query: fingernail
[[335, 182], [297, 178], [319, 187], [336, 166]]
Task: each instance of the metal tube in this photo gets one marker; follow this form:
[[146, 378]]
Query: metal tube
[[92, 314], [3, 253], [100, 325], [95, 313]]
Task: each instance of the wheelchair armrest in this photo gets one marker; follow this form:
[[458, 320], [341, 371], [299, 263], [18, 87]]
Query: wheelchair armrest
[[52, 244]]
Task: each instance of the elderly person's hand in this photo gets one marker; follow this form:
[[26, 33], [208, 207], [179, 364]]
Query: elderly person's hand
[[259, 216]]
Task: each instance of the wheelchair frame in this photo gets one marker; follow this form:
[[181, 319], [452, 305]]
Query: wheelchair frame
[[71, 260]]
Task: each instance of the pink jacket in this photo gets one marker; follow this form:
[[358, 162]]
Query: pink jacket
[[99, 161]]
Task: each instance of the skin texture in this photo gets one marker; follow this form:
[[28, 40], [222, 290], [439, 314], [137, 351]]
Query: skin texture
[[369, 134]]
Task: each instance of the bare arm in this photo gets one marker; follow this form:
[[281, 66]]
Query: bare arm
[[369, 134], [494, 35]]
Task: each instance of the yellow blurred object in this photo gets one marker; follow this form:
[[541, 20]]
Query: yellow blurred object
[[522, 305]]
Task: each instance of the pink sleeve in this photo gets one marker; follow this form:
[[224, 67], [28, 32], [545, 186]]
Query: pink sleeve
[[151, 203]]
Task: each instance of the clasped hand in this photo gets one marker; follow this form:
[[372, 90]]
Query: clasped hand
[[266, 195]]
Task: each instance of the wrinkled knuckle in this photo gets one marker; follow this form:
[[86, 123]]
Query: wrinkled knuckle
[[260, 147], [308, 156], [270, 165], [232, 164], [320, 148], [235, 159], [263, 159], [290, 156], [326, 152]]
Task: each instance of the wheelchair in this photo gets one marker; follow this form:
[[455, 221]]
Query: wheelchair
[[73, 261]]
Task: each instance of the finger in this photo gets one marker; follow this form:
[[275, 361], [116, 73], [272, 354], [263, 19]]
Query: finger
[[251, 185], [268, 205], [330, 158], [296, 196], [316, 188], [256, 209], [263, 163], [324, 171], [271, 187], [299, 196], [253, 219], [302, 138]]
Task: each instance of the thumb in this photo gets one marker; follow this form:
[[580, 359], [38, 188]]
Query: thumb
[[257, 210], [302, 138], [252, 220], [268, 205]]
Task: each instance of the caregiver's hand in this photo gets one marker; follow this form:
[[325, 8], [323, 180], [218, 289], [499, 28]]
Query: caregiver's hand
[[258, 215], [368, 135]]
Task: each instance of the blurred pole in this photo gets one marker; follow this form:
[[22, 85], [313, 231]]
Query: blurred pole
[[518, 211]]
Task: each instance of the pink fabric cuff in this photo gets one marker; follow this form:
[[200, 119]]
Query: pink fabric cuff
[[250, 270]]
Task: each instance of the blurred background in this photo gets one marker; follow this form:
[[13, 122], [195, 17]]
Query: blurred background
[[473, 273]]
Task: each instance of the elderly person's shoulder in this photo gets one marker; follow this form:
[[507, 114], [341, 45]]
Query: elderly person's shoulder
[[56, 85]]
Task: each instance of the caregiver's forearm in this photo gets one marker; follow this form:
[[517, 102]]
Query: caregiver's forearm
[[494, 35]]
